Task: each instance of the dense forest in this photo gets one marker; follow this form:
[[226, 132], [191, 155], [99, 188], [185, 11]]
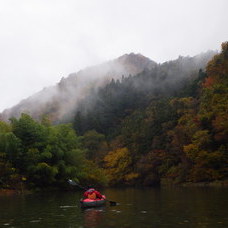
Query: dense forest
[[137, 130], [41, 155], [171, 129]]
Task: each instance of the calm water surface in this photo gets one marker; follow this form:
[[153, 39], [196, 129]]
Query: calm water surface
[[141, 208]]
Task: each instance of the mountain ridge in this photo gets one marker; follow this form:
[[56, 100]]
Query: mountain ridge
[[58, 100], [77, 84]]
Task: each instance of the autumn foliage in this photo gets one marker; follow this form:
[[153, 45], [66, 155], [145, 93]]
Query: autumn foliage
[[137, 132]]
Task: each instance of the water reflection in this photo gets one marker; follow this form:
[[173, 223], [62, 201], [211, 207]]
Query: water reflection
[[93, 216]]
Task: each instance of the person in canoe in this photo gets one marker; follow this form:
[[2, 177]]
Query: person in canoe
[[92, 194], [92, 198]]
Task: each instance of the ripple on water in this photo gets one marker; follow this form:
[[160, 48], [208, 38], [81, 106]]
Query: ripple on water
[[67, 206], [116, 211], [34, 221], [143, 212]]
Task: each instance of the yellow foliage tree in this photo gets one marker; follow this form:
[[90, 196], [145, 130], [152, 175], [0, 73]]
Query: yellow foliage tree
[[118, 164]]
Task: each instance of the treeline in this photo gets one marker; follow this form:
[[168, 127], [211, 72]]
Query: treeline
[[161, 128], [37, 155]]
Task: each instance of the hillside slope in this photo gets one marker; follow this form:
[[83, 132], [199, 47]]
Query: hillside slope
[[60, 100]]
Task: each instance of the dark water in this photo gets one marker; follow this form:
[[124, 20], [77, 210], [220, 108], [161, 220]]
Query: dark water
[[141, 208]]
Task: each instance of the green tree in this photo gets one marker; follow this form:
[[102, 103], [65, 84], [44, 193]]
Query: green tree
[[96, 145]]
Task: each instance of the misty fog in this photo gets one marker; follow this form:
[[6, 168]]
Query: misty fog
[[60, 102]]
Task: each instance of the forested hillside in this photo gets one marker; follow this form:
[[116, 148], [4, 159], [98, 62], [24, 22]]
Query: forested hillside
[[169, 122], [160, 127], [60, 101]]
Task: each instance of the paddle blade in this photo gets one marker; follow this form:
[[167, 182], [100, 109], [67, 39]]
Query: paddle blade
[[112, 203], [71, 182]]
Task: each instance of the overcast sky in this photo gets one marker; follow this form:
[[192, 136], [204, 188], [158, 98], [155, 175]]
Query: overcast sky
[[42, 41]]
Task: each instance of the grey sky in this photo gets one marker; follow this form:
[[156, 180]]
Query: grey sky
[[44, 40]]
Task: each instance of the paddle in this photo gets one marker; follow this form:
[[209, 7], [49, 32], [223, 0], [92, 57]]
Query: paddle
[[71, 182]]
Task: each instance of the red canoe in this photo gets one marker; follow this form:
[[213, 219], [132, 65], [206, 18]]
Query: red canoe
[[93, 203]]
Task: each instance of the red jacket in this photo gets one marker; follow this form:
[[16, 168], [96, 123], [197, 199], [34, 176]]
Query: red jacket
[[91, 191]]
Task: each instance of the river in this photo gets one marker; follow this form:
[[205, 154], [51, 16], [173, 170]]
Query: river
[[186, 207]]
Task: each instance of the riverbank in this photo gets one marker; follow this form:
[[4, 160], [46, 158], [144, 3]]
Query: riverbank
[[10, 192], [217, 183], [164, 183], [207, 184]]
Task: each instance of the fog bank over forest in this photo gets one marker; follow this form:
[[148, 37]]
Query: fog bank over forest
[[60, 101]]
